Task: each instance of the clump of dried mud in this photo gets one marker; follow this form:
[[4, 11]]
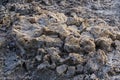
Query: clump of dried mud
[[60, 40]]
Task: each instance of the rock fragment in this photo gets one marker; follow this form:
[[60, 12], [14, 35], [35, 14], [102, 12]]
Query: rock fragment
[[79, 68], [118, 35], [117, 44], [74, 21], [73, 30], [49, 41], [72, 44], [79, 77], [61, 69], [104, 43], [43, 65], [60, 17], [107, 33], [55, 57], [87, 44], [95, 31], [94, 77], [70, 71], [91, 67], [58, 29], [52, 50], [32, 20], [76, 58]]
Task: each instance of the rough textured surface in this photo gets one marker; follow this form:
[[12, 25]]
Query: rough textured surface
[[60, 39]]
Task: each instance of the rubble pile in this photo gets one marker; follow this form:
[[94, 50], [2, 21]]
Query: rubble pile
[[62, 40]]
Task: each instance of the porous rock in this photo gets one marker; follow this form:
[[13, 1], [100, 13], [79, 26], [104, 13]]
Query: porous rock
[[58, 29], [72, 44], [49, 41], [104, 43], [76, 58], [87, 44]]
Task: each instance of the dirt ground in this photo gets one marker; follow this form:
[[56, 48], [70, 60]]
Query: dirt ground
[[60, 39]]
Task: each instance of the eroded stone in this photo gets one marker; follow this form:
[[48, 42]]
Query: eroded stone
[[72, 44]]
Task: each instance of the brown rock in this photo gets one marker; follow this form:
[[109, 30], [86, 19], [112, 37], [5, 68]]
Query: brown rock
[[60, 17], [74, 21], [75, 58], [59, 29], [118, 35], [73, 30], [72, 44], [49, 41], [87, 44], [32, 20], [52, 50], [2, 40], [26, 29], [104, 43], [107, 33], [117, 44]]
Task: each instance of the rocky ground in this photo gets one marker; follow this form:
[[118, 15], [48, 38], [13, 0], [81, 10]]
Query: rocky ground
[[60, 39]]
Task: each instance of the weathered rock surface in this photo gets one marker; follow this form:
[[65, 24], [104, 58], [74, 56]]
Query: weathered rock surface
[[72, 44], [104, 43], [59, 40]]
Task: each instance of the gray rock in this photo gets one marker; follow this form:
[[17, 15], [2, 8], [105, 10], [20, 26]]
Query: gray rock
[[52, 50], [74, 21], [95, 31], [90, 67], [61, 69], [79, 68], [55, 57], [54, 54], [78, 77], [43, 65], [40, 54], [94, 77], [117, 44], [101, 57], [52, 66], [2, 40], [70, 71]]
